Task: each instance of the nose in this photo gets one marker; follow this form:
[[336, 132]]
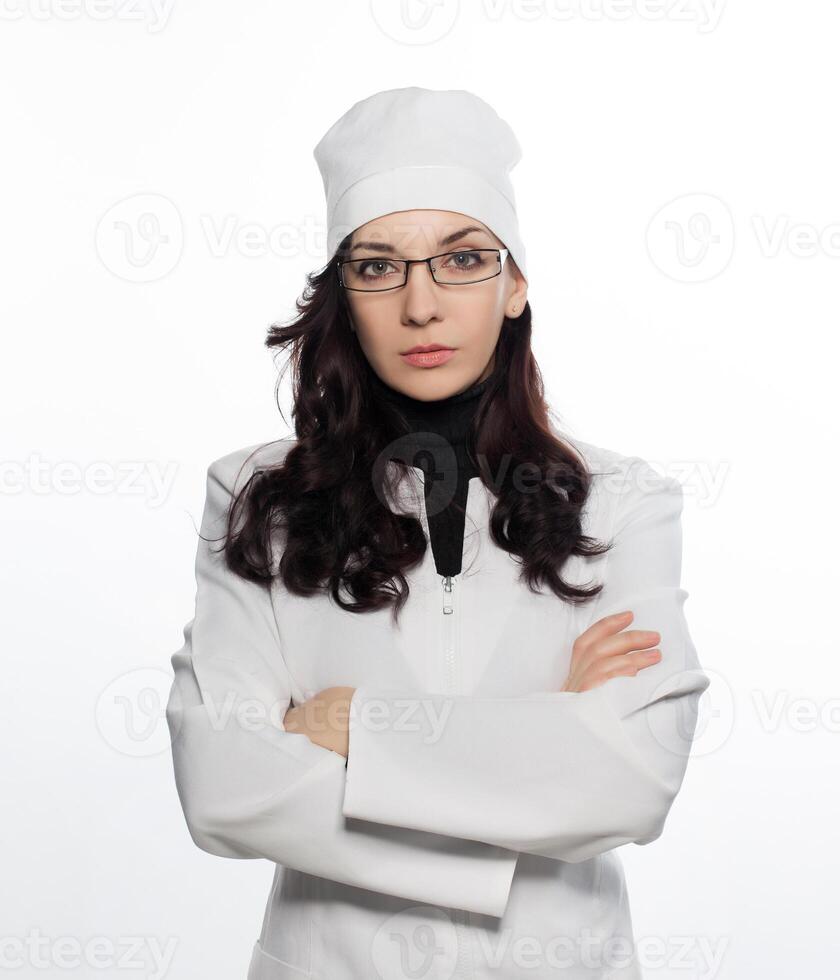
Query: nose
[[420, 295]]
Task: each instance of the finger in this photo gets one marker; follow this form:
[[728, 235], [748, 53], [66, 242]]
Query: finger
[[628, 665], [623, 643], [602, 628]]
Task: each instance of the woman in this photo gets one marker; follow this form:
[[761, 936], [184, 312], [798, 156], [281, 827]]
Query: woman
[[410, 680]]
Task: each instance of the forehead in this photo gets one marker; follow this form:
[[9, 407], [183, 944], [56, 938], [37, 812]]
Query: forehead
[[422, 230]]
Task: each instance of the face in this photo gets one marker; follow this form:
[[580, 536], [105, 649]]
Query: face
[[464, 317]]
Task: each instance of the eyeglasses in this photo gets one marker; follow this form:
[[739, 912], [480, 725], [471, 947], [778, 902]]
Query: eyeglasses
[[454, 268]]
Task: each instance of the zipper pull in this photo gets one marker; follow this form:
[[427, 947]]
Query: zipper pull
[[447, 595]]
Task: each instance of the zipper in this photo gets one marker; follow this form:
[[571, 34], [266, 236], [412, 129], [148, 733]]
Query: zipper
[[450, 590], [450, 585], [449, 631]]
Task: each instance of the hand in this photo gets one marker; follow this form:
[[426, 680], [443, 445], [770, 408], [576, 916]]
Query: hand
[[602, 652], [323, 718]]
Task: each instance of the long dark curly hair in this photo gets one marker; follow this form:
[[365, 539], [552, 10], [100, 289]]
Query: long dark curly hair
[[326, 497]]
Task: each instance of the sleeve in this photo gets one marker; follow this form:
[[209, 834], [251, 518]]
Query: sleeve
[[566, 775], [249, 789]]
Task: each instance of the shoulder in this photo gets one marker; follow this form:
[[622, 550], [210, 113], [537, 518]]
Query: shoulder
[[622, 483], [233, 470]]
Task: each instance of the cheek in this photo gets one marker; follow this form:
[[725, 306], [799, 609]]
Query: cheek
[[485, 306], [483, 325], [376, 340]]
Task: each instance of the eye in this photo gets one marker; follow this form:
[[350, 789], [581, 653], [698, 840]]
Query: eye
[[464, 260], [375, 268]]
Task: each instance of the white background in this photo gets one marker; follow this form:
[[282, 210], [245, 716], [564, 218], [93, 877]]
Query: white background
[[678, 197]]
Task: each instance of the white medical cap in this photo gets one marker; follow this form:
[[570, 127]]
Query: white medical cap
[[414, 148]]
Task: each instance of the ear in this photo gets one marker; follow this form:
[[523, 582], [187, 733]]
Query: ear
[[519, 296], [516, 301]]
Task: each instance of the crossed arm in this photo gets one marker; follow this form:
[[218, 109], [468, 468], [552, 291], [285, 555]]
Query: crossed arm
[[441, 813]]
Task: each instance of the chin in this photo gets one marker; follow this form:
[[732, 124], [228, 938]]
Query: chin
[[427, 388]]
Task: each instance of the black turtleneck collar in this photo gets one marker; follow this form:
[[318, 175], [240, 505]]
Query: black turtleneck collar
[[449, 418], [438, 445]]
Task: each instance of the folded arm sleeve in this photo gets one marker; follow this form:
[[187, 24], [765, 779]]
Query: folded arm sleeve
[[249, 789], [566, 775]]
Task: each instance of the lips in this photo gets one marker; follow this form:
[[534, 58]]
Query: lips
[[420, 349], [429, 356]]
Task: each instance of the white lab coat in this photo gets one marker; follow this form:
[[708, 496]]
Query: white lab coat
[[473, 832]]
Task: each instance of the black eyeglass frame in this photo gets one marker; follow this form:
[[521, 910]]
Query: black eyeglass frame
[[502, 254]]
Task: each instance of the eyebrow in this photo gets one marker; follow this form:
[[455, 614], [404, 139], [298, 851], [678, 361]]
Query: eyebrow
[[448, 240]]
